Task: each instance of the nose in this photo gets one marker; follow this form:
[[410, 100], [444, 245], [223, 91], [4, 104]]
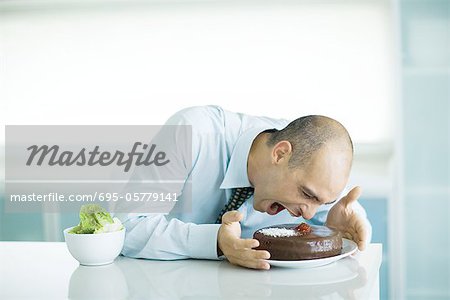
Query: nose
[[309, 212]]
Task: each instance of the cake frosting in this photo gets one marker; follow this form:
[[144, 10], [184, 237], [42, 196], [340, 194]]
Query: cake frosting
[[299, 242], [278, 232]]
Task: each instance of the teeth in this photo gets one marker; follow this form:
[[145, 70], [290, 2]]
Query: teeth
[[291, 213]]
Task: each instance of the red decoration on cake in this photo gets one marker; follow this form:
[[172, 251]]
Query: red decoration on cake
[[304, 228]]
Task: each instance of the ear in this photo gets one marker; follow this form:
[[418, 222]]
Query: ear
[[281, 152]]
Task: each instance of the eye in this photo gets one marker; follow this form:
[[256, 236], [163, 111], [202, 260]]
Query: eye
[[307, 196]]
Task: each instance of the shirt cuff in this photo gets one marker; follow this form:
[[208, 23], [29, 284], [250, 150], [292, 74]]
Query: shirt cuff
[[202, 241]]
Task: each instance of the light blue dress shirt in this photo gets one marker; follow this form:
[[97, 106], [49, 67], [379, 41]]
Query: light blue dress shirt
[[221, 142]]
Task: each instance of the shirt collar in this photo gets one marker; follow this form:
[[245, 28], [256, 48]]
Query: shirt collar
[[236, 174]]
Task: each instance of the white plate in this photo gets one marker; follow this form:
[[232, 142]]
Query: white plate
[[348, 248]]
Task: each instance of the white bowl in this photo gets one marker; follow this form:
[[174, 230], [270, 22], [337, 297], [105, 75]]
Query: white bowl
[[95, 249]]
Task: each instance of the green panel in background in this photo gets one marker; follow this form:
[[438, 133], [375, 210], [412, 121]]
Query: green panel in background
[[30, 226], [20, 226], [428, 244], [426, 125]]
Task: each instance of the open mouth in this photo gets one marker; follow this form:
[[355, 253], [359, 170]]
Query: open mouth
[[275, 208]]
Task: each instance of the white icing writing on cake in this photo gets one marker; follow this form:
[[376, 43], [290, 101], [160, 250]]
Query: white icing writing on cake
[[321, 245], [278, 232]]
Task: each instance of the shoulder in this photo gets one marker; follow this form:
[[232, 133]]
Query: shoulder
[[212, 119], [196, 114], [203, 119]]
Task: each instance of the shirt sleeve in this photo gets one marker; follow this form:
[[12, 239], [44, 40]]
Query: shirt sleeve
[[153, 236], [151, 232]]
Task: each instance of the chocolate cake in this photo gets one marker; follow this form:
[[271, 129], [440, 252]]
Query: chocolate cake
[[299, 242]]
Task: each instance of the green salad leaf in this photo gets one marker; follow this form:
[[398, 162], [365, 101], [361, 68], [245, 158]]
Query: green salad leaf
[[95, 219]]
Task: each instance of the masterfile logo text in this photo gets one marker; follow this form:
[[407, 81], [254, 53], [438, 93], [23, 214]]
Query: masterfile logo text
[[130, 168]]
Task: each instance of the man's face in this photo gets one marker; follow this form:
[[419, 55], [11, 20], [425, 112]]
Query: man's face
[[302, 190]]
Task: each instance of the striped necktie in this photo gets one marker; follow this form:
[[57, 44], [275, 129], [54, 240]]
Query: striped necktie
[[237, 198]]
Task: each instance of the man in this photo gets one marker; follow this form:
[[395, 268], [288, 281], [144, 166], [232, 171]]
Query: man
[[284, 173]]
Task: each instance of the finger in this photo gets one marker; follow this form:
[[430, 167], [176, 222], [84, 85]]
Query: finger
[[250, 254], [355, 238], [358, 234], [232, 216], [347, 235], [361, 245], [253, 254], [252, 264], [361, 236], [260, 254], [246, 244], [352, 196], [255, 259]]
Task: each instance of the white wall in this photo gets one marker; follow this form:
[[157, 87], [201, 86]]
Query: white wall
[[112, 63]]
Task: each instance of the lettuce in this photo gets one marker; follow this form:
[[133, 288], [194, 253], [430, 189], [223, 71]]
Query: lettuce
[[95, 219]]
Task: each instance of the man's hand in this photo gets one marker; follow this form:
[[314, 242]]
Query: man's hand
[[239, 251], [343, 218]]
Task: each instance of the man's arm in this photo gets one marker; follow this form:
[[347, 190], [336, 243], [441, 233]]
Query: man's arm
[[152, 236], [150, 232]]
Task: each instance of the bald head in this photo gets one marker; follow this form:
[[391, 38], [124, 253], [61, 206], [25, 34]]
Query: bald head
[[309, 134]]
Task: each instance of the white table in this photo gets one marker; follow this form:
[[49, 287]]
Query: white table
[[44, 270]]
